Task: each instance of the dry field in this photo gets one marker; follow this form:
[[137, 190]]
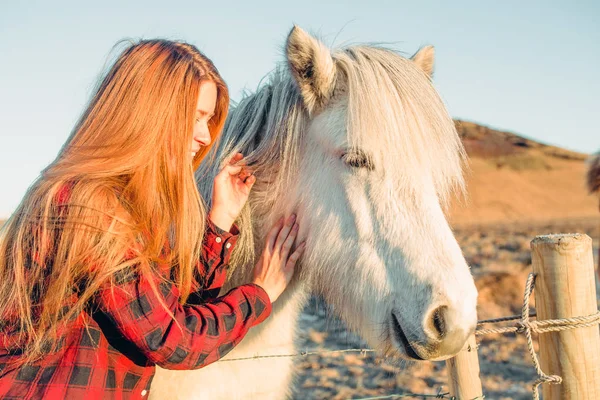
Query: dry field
[[500, 261]]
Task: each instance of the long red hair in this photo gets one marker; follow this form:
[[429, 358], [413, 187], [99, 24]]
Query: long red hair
[[131, 189]]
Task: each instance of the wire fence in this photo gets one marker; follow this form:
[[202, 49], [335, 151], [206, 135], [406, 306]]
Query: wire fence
[[524, 325]]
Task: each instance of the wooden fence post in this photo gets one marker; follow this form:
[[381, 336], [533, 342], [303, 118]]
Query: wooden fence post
[[463, 373], [565, 287]]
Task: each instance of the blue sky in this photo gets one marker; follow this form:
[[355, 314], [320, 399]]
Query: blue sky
[[528, 67]]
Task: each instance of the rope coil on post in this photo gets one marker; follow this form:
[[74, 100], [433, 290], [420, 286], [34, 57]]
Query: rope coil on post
[[526, 326]]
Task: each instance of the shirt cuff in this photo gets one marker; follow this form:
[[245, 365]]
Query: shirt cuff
[[221, 242]]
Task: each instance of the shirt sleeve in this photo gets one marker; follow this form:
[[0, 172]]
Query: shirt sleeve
[[190, 336]]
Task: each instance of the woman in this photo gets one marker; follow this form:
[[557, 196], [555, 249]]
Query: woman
[[111, 265]]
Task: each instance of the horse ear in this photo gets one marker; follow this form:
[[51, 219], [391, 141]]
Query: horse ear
[[424, 59], [312, 67]]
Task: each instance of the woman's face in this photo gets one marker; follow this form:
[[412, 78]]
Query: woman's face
[[205, 109]]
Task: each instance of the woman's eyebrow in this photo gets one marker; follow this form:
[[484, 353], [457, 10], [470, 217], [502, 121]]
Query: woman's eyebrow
[[202, 112]]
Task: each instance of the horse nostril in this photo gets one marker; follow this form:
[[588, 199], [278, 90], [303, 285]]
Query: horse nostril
[[438, 321]]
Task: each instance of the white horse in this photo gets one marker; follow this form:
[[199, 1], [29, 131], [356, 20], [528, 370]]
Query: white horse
[[359, 145]]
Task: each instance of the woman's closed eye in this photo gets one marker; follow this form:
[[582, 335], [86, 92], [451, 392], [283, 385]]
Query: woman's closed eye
[[203, 115]]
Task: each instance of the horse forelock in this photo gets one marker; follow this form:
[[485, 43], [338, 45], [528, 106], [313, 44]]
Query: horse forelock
[[394, 109]]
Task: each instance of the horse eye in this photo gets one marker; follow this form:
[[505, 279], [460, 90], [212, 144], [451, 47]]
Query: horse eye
[[358, 159]]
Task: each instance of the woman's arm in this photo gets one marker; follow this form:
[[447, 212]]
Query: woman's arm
[[190, 336], [176, 336]]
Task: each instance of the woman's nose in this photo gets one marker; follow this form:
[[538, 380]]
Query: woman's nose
[[203, 138]]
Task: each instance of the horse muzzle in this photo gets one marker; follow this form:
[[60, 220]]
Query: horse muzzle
[[439, 337]]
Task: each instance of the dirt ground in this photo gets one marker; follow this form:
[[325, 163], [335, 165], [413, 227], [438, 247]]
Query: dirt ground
[[500, 260]]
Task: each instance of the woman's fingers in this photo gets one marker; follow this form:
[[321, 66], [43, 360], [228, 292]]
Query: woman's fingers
[[285, 231], [231, 166], [291, 262], [244, 173], [272, 235], [289, 242], [282, 235], [275, 268], [250, 181], [237, 157], [234, 169], [229, 171]]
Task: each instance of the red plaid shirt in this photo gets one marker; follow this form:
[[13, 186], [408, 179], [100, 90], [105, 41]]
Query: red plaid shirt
[[129, 332]]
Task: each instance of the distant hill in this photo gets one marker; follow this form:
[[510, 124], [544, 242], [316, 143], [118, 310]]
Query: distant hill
[[512, 178]]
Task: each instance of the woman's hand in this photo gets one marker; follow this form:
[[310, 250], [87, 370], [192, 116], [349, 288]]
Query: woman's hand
[[275, 267], [230, 192]]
